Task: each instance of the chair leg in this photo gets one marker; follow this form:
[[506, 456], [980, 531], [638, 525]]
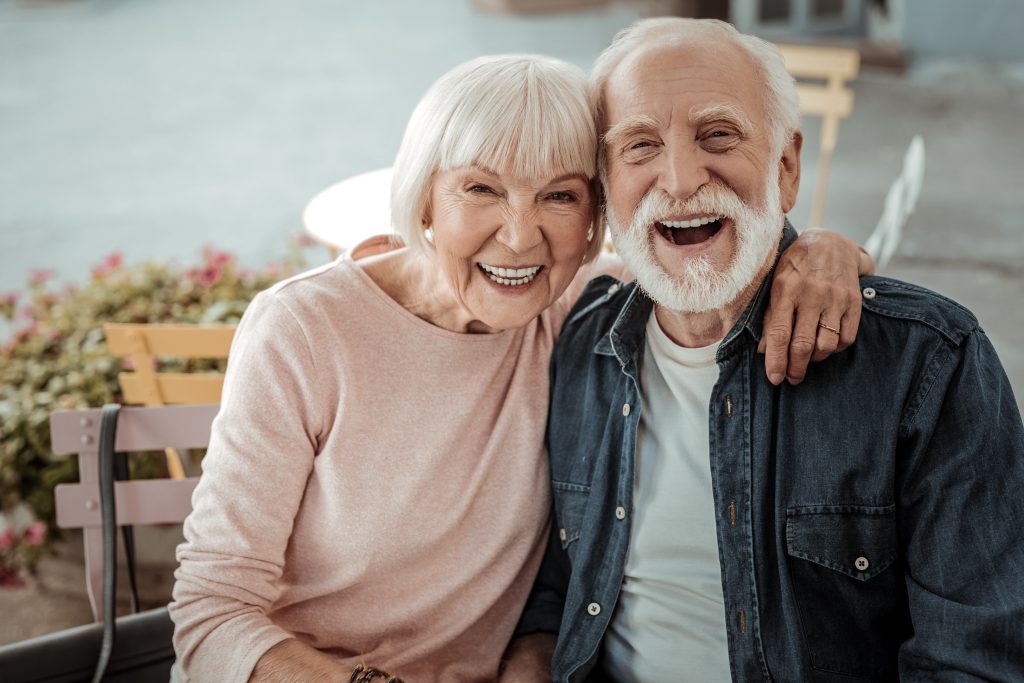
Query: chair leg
[[174, 465], [92, 537]]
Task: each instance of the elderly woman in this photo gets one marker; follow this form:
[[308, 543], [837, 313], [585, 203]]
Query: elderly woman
[[376, 489]]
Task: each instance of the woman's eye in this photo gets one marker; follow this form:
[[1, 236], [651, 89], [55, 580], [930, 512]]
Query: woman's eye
[[640, 145], [480, 189], [562, 196]]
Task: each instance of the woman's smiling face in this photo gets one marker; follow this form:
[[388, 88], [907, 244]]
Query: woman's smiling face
[[508, 247]]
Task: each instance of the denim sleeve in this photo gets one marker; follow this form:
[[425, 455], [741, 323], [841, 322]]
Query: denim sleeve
[[543, 611], [961, 513]]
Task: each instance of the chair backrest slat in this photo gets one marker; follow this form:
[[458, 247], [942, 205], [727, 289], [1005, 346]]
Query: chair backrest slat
[[143, 343], [822, 74], [138, 429], [174, 388], [180, 341], [150, 501], [147, 501]]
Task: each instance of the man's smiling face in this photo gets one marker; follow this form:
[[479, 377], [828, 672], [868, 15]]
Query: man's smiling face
[[696, 194]]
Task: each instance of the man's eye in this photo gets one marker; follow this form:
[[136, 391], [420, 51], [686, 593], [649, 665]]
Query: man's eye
[[720, 134], [640, 144]]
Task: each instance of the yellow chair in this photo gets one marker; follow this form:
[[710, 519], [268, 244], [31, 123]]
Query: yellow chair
[[144, 343], [830, 100]]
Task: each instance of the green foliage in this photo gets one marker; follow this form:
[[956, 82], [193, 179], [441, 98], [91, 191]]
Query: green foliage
[[56, 357]]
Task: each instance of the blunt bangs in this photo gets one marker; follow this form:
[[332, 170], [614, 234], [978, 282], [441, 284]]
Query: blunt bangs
[[538, 124]]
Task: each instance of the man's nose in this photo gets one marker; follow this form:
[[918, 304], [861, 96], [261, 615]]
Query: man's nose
[[683, 172], [520, 230]]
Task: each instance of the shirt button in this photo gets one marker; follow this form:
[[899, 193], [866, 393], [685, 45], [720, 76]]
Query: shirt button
[[561, 534], [861, 563], [614, 288], [620, 512], [625, 410], [869, 293], [593, 609]]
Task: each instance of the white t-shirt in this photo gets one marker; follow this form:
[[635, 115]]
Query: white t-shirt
[[669, 623]]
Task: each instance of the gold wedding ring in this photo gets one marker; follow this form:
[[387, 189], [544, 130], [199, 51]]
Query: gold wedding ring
[[830, 329]]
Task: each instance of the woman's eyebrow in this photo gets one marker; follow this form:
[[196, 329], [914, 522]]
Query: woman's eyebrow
[[720, 112], [630, 125]]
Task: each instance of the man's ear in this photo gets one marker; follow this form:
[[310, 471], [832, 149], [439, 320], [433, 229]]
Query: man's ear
[[789, 172]]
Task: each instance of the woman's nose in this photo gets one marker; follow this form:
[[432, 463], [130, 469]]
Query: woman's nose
[[520, 230]]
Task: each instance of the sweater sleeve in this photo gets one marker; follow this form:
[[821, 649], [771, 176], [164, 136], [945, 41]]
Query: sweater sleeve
[[261, 454]]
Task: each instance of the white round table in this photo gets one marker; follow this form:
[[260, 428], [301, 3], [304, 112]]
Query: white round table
[[351, 211]]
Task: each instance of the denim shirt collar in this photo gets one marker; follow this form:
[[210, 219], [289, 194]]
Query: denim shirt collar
[[625, 338]]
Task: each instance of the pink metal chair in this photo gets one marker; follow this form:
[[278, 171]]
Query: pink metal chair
[[150, 501]]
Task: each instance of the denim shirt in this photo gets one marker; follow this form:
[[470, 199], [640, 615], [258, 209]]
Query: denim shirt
[[869, 520]]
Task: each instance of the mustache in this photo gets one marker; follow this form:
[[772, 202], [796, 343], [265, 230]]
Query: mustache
[[711, 199]]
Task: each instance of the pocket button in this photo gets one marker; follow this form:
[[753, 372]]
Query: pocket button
[[862, 564], [562, 534]]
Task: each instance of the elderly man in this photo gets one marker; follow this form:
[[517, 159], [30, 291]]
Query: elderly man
[[709, 523]]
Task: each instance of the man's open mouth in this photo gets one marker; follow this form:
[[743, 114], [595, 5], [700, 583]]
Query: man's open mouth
[[692, 231]]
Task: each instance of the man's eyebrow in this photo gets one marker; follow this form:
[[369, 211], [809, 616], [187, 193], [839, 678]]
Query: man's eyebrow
[[629, 126], [720, 112]]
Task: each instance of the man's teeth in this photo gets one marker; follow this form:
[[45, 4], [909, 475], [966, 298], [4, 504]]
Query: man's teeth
[[510, 276], [693, 223]]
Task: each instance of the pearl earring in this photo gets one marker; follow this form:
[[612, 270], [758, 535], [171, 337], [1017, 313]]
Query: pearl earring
[[590, 233], [429, 235]]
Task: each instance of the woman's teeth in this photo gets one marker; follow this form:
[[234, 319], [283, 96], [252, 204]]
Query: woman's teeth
[[510, 276]]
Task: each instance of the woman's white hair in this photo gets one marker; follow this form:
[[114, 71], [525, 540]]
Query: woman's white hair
[[523, 114], [782, 105]]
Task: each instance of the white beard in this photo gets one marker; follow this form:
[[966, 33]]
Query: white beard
[[699, 286]]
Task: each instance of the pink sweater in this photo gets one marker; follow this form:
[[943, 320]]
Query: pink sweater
[[375, 486]]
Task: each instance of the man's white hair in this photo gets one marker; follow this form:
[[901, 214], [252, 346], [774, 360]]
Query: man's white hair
[[524, 114], [781, 103]]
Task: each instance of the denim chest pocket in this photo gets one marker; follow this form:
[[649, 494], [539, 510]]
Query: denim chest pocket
[[570, 507], [848, 587]]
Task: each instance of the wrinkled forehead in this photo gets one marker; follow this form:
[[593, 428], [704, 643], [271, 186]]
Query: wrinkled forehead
[[680, 75]]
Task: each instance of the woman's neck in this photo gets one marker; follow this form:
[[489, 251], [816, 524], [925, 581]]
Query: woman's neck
[[417, 284]]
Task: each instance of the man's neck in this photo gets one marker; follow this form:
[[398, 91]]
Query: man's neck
[[695, 330]]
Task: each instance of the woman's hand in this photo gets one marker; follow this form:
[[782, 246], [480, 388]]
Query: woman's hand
[[815, 303]]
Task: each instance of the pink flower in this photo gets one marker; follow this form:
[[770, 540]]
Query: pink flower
[[27, 332], [6, 539], [206, 277], [8, 298], [109, 265], [35, 533], [221, 258], [306, 240], [39, 276]]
